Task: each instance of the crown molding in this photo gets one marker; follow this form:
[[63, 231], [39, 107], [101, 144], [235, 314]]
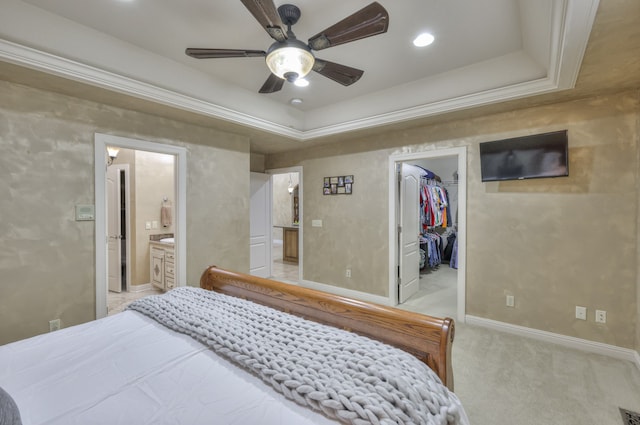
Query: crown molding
[[571, 25], [66, 68]]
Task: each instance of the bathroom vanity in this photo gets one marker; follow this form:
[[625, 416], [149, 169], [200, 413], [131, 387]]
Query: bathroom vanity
[[162, 264], [289, 243]]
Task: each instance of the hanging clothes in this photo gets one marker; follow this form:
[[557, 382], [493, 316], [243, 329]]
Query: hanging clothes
[[431, 244], [433, 205]]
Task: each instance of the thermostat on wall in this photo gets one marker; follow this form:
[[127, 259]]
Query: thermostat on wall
[[85, 213]]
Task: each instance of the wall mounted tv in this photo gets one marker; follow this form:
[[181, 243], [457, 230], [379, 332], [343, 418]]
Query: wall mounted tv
[[527, 157]]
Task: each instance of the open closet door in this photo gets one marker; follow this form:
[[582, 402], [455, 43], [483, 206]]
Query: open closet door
[[260, 225], [409, 232], [114, 237]]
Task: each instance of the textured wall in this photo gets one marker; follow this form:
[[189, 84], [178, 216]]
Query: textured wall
[[354, 227], [553, 243], [282, 207], [47, 268]]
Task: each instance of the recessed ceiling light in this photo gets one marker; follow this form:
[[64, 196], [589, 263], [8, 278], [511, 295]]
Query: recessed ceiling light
[[296, 101], [423, 39], [301, 82]]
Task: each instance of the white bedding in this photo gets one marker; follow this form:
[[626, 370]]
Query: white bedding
[[151, 375]]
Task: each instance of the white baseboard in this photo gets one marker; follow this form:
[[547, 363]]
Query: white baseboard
[[344, 292], [567, 341], [140, 288]]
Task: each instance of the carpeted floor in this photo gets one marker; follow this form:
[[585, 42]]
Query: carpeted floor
[[504, 379]]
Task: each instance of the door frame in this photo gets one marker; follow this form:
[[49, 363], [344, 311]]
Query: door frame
[[127, 217], [101, 141], [297, 169], [461, 153]]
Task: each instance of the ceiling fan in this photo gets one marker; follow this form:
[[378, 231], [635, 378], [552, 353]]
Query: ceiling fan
[[289, 58]]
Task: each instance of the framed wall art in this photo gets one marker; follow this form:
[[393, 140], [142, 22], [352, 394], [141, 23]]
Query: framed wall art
[[338, 185]]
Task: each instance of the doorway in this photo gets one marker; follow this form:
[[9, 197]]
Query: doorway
[[175, 193], [286, 224], [442, 283]]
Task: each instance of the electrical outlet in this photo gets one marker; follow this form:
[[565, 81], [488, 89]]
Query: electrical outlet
[[581, 313], [347, 273], [54, 325], [601, 316], [511, 302]]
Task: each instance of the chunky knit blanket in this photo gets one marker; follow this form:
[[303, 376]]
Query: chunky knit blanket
[[348, 377]]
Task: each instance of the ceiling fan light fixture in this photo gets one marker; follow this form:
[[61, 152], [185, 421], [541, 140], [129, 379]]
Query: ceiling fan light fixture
[[290, 62]]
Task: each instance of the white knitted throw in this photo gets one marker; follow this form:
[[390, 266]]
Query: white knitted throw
[[346, 376]]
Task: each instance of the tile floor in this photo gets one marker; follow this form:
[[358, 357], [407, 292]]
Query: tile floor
[[283, 271], [117, 302]]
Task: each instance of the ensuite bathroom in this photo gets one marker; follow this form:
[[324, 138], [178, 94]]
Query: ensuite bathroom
[[140, 225]]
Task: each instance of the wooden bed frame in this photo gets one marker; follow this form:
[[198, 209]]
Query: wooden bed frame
[[428, 338]]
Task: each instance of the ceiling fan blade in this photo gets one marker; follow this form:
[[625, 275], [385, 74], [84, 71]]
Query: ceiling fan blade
[[371, 20], [342, 74], [267, 15], [272, 85], [223, 53]]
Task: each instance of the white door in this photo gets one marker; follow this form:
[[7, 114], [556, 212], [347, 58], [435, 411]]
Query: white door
[[260, 226], [409, 232], [114, 237]]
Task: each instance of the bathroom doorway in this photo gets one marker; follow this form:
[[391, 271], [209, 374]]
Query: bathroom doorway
[[140, 226], [141, 210], [286, 224]]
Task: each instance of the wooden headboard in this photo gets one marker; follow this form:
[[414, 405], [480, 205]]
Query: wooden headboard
[[428, 338]]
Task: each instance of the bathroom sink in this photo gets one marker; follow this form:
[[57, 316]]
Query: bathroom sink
[[168, 240]]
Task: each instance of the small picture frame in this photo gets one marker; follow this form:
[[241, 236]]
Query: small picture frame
[[347, 188], [348, 179], [341, 190], [327, 182], [340, 181], [334, 189], [334, 180], [326, 190]]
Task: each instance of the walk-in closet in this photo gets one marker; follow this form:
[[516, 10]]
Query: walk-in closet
[[437, 293]]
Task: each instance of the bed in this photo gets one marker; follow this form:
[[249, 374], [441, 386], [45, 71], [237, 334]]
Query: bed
[[177, 359]]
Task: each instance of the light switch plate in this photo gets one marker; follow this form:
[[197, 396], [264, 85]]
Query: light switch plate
[[316, 223], [85, 213]]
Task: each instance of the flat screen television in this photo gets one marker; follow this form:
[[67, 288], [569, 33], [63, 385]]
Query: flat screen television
[[527, 157]]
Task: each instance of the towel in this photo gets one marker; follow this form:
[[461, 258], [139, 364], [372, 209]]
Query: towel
[[165, 214]]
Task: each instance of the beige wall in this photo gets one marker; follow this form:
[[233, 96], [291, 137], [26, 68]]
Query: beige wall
[[257, 163], [47, 258], [282, 207], [553, 243]]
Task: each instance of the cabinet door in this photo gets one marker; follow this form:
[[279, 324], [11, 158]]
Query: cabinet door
[[157, 268], [290, 245]]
